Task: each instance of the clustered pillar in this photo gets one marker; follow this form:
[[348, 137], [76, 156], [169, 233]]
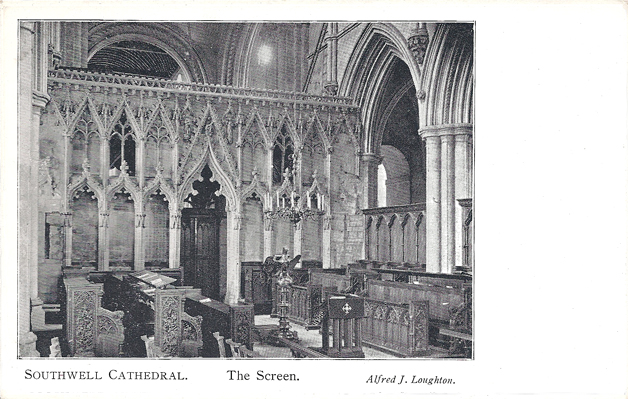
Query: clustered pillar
[[449, 164]]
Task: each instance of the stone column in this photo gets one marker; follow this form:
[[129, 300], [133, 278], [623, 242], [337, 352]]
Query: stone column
[[298, 241], [139, 161], [463, 189], [174, 247], [331, 85], [448, 178], [432, 198], [447, 203], [268, 236], [370, 162], [232, 295], [327, 218], [104, 161], [103, 236], [138, 250], [25, 180], [67, 227], [175, 162], [40, 100]]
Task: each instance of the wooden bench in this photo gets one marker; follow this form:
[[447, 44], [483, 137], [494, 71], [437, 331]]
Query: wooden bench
[[461, 342]]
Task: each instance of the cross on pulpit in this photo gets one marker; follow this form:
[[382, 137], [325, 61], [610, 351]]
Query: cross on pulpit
[[344, 316]]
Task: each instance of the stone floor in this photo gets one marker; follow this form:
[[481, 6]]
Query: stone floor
[[309, 338]]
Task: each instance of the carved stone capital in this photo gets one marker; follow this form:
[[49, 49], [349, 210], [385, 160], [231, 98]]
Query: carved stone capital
[[268, 223], [237, 221], [139, 220], [453, 129], [104, 219], [40, 99], [330, 88], [327, 222], [371, 158], [417, 43], [175, 220]]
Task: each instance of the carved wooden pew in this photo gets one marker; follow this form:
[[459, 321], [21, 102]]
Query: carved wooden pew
[[401, 329], [449, 298], [229, 321], [110, 333], [90, 329]]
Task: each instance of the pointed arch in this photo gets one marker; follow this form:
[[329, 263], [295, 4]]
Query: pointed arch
[[254, 119], [285, 120], [86, 180], [227, 187], [379, 47], [448, 76], [256, 187], [124, 182], [159, 183]]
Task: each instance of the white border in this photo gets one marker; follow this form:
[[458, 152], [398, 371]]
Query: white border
[[550, 208]]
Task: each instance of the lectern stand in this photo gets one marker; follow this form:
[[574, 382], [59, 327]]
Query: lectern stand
[[344, 315]]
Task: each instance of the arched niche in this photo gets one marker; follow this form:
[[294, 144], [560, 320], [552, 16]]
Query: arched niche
[[313, 155], [158, 151], [85, 143], [121, 231], [283, 154], [156, 231], [203, 236], [122, 146], [84, 208], [253, 152], [252, 229]]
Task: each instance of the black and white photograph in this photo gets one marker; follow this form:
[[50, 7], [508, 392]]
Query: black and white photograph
[[243, 203], [266, 189]]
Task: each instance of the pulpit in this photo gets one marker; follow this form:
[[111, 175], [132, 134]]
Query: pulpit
[[344, 318]]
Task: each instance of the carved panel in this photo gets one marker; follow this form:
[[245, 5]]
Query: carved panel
[[110, 333], [168, 314], [83, 301], [420, 327], [241, 323]]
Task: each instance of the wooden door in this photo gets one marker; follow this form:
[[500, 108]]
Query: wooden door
[[200, 250]]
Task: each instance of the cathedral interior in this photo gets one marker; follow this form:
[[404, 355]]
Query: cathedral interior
[[234, 189]]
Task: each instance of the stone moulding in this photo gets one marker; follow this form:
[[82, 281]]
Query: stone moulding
[[123, 82]]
